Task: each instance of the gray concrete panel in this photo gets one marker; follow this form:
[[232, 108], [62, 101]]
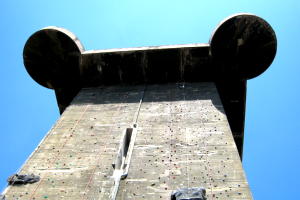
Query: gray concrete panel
[[183, 140]]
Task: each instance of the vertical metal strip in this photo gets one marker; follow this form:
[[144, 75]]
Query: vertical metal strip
[[139, 107], [122, 172]]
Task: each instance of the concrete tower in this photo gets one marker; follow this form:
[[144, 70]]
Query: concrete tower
[[141, 123]]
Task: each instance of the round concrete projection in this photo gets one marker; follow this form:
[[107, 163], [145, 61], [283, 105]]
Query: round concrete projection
[[243, 46], [52, 57]]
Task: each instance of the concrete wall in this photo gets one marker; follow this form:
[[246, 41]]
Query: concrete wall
[[183, 140]]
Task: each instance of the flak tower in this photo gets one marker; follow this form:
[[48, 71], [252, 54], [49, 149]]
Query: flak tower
[[162, 122]]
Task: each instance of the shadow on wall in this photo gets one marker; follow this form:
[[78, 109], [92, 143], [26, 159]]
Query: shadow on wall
[[205, 91]]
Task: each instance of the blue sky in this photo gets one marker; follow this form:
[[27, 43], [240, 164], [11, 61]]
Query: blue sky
[[271, 149]]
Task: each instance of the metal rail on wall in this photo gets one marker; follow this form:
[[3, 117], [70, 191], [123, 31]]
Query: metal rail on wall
[[123, 158]]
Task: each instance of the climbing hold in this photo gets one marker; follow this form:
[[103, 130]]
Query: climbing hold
[[17, 179], [195, 193]]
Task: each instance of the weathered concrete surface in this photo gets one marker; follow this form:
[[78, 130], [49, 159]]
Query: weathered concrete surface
[[183, 140]]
